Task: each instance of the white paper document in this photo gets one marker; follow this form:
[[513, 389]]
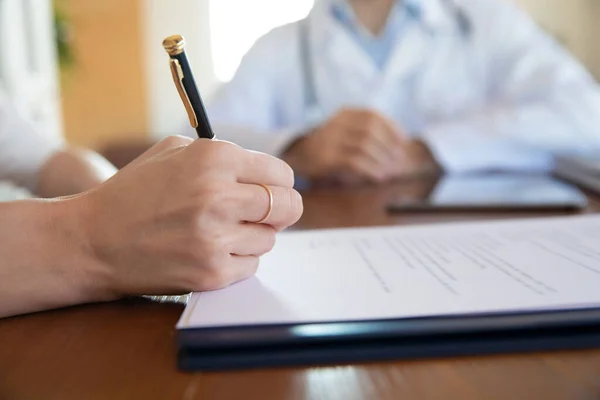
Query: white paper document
[[402, 272]]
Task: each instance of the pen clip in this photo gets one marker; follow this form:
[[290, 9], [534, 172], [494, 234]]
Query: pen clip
[[177, 73]]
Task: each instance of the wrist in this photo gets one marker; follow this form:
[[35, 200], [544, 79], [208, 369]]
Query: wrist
[[45, 262], [91, 278]]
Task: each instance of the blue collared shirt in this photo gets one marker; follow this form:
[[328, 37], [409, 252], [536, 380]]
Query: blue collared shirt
[[379, 48]]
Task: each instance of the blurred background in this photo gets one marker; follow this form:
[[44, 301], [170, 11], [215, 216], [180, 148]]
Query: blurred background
[[62, 61]]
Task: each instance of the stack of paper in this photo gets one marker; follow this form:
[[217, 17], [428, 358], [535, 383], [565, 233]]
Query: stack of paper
[[407, 272]]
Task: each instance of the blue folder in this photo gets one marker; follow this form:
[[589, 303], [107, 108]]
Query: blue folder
[[243, 347]]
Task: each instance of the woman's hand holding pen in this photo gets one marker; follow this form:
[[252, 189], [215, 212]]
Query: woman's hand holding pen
[[183, 217]]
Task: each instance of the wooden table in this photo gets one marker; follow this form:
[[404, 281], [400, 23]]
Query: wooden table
[[126, 350]]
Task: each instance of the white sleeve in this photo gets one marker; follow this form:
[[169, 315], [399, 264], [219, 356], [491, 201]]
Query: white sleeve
[[542, 102], [23, 149], [245, 110]]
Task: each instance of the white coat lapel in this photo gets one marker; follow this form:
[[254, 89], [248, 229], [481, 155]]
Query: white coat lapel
[[418, 41], [337, 48], [345, 54], [343, 72], [409, 54]]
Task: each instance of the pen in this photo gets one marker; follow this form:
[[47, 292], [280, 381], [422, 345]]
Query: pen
[[186, 86]]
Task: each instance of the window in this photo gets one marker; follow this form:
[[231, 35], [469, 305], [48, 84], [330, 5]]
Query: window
[[235, 25]]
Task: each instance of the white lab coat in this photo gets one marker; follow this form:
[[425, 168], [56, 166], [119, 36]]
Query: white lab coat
[[503, 97]]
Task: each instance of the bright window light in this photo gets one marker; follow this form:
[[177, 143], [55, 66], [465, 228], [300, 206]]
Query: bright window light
[[235, 25]]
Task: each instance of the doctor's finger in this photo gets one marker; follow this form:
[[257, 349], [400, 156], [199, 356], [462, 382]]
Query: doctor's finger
[[392, 139], [395, 137], [375, 120], [375, 141], [390, 133], [366, 168], [376, 152]]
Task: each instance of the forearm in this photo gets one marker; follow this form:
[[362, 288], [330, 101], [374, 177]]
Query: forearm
[[520, 137], [72, 171], [45, 261]]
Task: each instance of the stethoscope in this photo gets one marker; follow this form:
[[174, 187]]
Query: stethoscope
[[311, 101]]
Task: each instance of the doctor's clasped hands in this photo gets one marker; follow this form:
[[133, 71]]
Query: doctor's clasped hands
[[358, 145]]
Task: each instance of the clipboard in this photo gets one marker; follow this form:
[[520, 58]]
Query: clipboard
[[247, 347], [444, 290]]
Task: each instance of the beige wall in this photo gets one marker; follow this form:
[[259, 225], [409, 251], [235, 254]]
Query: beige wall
[[573, 22], [104, 95]]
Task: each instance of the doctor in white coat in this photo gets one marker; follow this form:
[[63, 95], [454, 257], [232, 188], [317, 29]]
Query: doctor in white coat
[[372, 90]]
